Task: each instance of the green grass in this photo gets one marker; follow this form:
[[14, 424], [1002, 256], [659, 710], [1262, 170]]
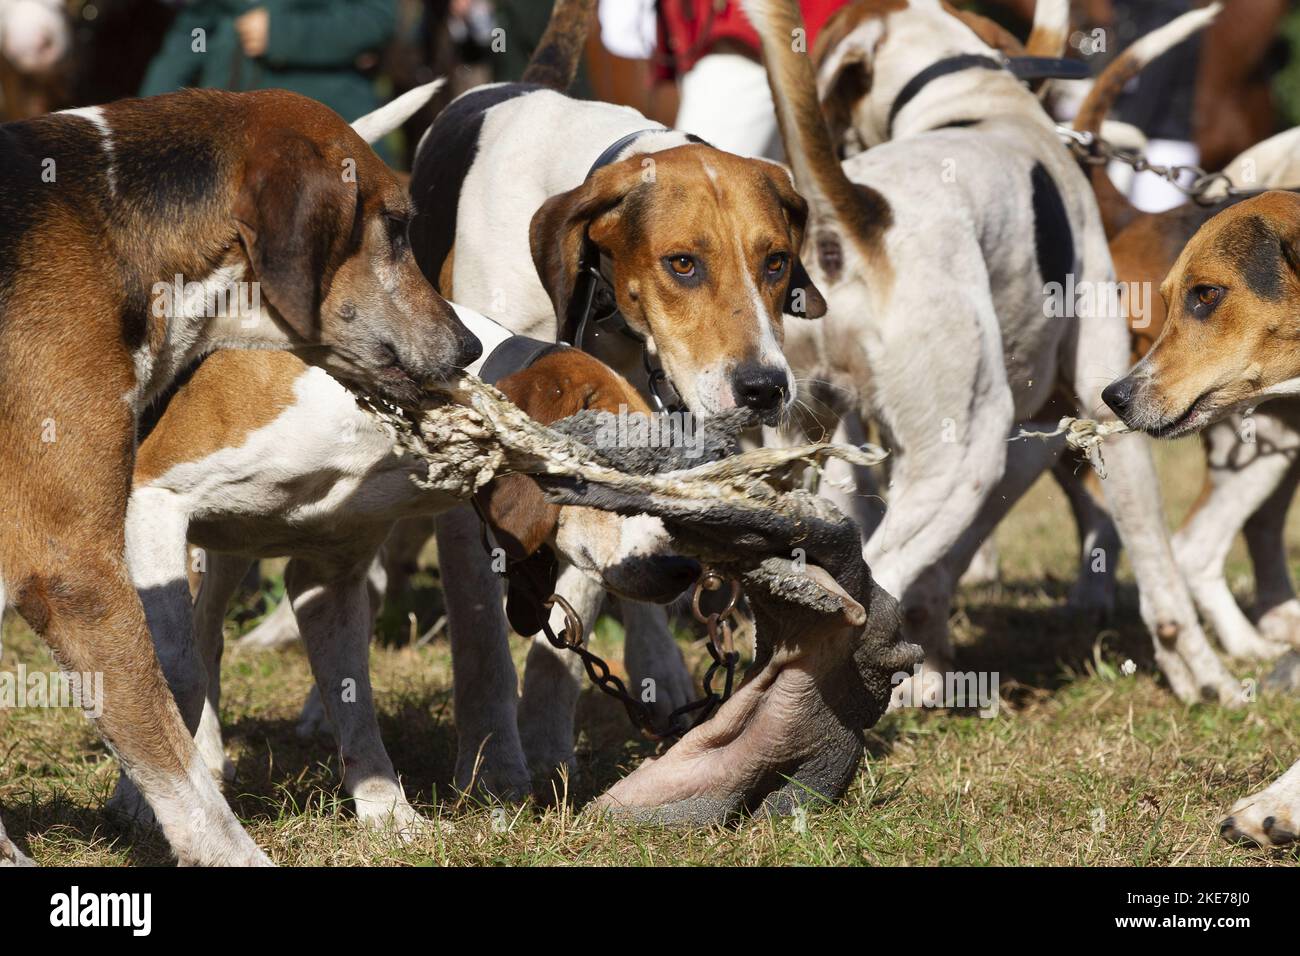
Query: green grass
[[1082, 765]]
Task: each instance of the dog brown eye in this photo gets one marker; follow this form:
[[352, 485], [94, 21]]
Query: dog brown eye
[[683, 266], [776, 264], [1208, 294]]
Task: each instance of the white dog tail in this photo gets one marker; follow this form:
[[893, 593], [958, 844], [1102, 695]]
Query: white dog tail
[[375, 125], [1051, 28], [1116, 211], [812, 157]]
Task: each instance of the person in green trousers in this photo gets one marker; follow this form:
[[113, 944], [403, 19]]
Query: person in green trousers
[[318, 48]]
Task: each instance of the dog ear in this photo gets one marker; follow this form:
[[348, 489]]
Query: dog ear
[[521, 517], [532, 581], [802, 299], [558, 232], [992, 34], [522, 521], [844, 81], [292, 211]]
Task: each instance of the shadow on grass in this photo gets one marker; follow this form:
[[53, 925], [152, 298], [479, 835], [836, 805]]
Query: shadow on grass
[[1035, 648]]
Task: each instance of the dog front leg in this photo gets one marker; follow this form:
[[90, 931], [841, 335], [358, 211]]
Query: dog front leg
[[656, 670], [1277, 610], [1098, 348], [222, 577], [553, 679], [1238, 485], [485, 686]]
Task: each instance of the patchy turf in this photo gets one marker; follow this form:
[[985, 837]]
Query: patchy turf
[[1081, 765]]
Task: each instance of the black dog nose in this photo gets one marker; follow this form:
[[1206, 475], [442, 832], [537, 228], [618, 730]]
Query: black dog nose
[[760, 387], [1118, 395], [468, 348], [674, 574]]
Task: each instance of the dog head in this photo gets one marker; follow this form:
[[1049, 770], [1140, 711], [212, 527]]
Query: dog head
[[704, 247], [869, 50], [1232, 328], [630, 556], [34, 34], [324, 224]]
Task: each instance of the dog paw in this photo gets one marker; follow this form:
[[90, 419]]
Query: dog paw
[[924, 687], [10, 855], [212, 749], [397, 818], [662, 681], [313, 722], [1092, 596], [985, 567], [1246, 644], [1270, 818], [130, 806], [277, 629], [494, 767], [1281, 624], [1286, 674]]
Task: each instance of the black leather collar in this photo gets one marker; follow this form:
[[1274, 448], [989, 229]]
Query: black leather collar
[[953, 64], [1024, 68], [514, 355], [611, 151]]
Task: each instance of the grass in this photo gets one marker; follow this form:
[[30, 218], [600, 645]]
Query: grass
[[1082, 765]]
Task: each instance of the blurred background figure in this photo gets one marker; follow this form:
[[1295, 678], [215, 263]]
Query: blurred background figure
[[325, 49], [709, 47], [34, 34], [1207, 100], [34, 37]]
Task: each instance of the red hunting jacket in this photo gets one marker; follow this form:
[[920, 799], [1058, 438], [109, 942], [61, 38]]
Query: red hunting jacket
[[689, 29]]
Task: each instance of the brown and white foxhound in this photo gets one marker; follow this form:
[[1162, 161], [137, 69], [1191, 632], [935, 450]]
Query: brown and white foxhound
[[268, 200]]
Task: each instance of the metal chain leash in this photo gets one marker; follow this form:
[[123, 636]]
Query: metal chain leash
[[721, 647], [1095, 151]]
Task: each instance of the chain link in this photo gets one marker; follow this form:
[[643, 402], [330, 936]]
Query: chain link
[[1095, 151], [720, 645]]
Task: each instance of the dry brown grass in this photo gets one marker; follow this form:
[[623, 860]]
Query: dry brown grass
[[1082, 765]]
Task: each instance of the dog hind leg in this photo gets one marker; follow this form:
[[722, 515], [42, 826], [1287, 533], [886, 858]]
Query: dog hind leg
[[333, 609]]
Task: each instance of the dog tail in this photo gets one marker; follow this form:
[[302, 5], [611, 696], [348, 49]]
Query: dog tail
[[555, 61], [809, 150], [377, 124], [1051, 28], [1116, 211]]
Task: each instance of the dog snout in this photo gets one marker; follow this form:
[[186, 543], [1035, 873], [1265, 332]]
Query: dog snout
[[468, 347], [1119, 394], [662, 577], [760, 387]]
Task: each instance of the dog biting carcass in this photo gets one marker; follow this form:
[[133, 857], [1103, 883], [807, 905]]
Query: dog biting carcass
[[827, 637]]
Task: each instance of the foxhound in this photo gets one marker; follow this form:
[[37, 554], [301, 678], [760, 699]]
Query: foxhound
[[947, 251], [1252, 468], [135, 237], [305, 473], [1229, 341], [670, 260]]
